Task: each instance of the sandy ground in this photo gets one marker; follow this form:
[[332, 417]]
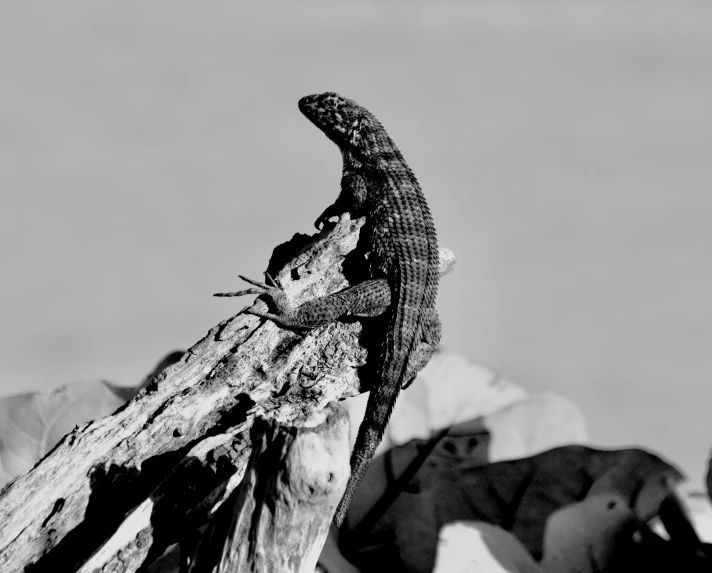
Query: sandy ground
[[151, 152]]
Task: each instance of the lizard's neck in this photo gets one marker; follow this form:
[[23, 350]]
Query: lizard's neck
[[377, 155], [370, 147]]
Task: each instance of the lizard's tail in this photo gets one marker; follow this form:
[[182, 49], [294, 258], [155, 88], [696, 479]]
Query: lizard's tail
[[378, 411]]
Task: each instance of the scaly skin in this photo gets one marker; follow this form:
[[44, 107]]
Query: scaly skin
[[376, 182]]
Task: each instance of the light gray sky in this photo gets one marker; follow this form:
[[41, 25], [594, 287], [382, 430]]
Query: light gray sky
[[150, 152]]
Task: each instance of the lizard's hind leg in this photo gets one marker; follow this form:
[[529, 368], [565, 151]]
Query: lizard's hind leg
[[430, 338], [369, 298]]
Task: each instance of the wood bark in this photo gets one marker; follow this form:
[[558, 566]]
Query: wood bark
[[115, 492], [178, 507], [284, 505]]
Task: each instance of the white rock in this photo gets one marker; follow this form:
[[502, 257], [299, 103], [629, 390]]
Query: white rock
[[534, 425], [699, 510], [583, 537], [479, 547]]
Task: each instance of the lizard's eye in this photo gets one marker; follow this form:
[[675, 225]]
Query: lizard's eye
[[331, 104]]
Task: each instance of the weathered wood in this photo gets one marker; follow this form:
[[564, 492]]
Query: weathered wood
[[74, 500], [185, 500], [56, 515], [283, 508], [180, 505]]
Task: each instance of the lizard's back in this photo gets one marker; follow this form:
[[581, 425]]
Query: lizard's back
[[377, 182], [404, 249]]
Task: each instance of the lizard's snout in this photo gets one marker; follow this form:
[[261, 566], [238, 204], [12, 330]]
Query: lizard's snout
[[307, 103]]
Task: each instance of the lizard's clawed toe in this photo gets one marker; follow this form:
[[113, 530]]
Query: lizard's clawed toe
[[242, 292], [271, 289], [323, 222], [271, 284], [265, 315], [253, 282]]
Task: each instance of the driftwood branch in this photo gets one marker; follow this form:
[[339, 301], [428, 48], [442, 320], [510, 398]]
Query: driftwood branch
[[182, 503], [172, 454], [284, 505]]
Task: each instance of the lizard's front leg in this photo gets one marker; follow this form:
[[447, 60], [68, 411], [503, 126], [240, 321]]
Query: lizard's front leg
[[334, 210], [352, 195], [369, 298]]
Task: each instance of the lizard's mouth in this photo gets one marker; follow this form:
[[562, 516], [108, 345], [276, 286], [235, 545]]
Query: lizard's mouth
[[311, 108], [308, 105]]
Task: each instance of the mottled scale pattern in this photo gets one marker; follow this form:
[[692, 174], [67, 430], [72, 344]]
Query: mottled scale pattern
[[369, 298], [377, 182]]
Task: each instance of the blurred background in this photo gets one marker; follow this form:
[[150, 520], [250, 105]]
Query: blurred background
[[150, 152]]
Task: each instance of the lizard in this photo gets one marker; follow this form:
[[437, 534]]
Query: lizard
[[403, 263]]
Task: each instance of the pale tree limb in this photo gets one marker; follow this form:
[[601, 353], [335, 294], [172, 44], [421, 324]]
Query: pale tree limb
[[58, 514], [181, 504], [283, 508], [127, 548], [73, 499]]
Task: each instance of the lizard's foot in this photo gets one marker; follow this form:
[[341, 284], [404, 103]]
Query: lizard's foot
[[430, 338], [329, 213], [273, 292], [321, 222]]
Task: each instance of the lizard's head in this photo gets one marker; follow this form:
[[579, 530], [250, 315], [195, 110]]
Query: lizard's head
[[339, 118]]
